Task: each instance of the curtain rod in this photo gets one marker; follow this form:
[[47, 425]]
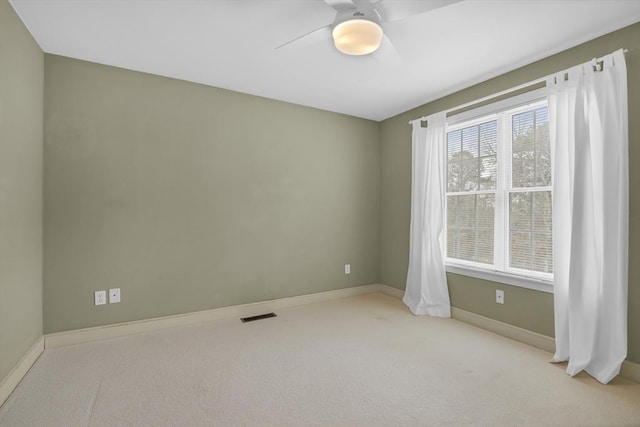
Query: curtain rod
[[496, 95]]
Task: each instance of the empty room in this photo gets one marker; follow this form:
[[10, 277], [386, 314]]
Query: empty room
[[319, 212]]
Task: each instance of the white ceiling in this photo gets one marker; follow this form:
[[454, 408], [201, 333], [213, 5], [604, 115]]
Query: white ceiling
[[231, 44]]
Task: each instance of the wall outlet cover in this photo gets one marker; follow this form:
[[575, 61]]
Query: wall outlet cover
[[114, 295], [499, 296], [100, 297], [347, 269]]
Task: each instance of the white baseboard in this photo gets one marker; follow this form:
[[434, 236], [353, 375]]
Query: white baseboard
[[20, 370], [391, 291], [629, 370], [525, 336], [128, 328], [533, 339]]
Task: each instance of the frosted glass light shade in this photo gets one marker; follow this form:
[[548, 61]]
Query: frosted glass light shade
[[357, 36]]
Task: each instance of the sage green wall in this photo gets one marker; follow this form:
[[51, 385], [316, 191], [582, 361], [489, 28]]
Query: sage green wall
[[21, 89], [525, 308], [189, 197]]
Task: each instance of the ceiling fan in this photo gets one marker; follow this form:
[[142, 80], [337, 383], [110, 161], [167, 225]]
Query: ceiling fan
[[357, 28]]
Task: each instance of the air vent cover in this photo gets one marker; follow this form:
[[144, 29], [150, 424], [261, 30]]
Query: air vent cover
[[258, 317]]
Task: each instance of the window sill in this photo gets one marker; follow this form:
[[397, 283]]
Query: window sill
[[501, 277]]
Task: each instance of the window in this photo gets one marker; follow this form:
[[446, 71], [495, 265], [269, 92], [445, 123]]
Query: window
[[499, 195]]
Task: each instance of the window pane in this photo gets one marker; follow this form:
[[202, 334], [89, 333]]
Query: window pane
[[466, 245], [520, 249], [530, 231], [470, 140], [530, 147], [452, 242], [520, 213], [466, 211], [485, 211], [488, 140], [469, 174], [542, 228], [543, 252], [472, 158], [484, 252], [470, 227], [522, 169], [543, 148], [488, 172], [542, 211], [454, 165]]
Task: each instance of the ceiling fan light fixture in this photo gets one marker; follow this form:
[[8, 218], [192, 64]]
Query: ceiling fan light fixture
[[357, 36]]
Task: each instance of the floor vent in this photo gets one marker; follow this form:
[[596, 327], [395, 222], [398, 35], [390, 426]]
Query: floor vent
[[258, 317]]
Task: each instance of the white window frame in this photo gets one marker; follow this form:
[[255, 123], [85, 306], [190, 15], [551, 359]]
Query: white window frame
[[499, 272]]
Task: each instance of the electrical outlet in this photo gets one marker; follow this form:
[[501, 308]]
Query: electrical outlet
[[114, 295], [100, 297], [347, 269], [499, 296]]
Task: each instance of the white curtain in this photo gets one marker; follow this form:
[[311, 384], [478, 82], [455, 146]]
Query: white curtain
[[589, 140], [426, 290]]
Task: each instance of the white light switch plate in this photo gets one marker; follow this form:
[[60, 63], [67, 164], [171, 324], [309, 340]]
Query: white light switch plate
[[114, 295]]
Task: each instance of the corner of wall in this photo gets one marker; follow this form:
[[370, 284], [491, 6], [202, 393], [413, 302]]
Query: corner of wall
[[21, 173]]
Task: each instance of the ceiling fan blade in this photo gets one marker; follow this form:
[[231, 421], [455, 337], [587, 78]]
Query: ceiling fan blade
[[340, 5], [400, 9], [387, 53], [321, 32]]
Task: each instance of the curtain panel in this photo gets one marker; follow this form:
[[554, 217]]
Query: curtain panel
[[589, 145], [426, 289]]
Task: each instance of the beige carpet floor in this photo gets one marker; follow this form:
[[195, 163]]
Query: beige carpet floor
[[358, 361]]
